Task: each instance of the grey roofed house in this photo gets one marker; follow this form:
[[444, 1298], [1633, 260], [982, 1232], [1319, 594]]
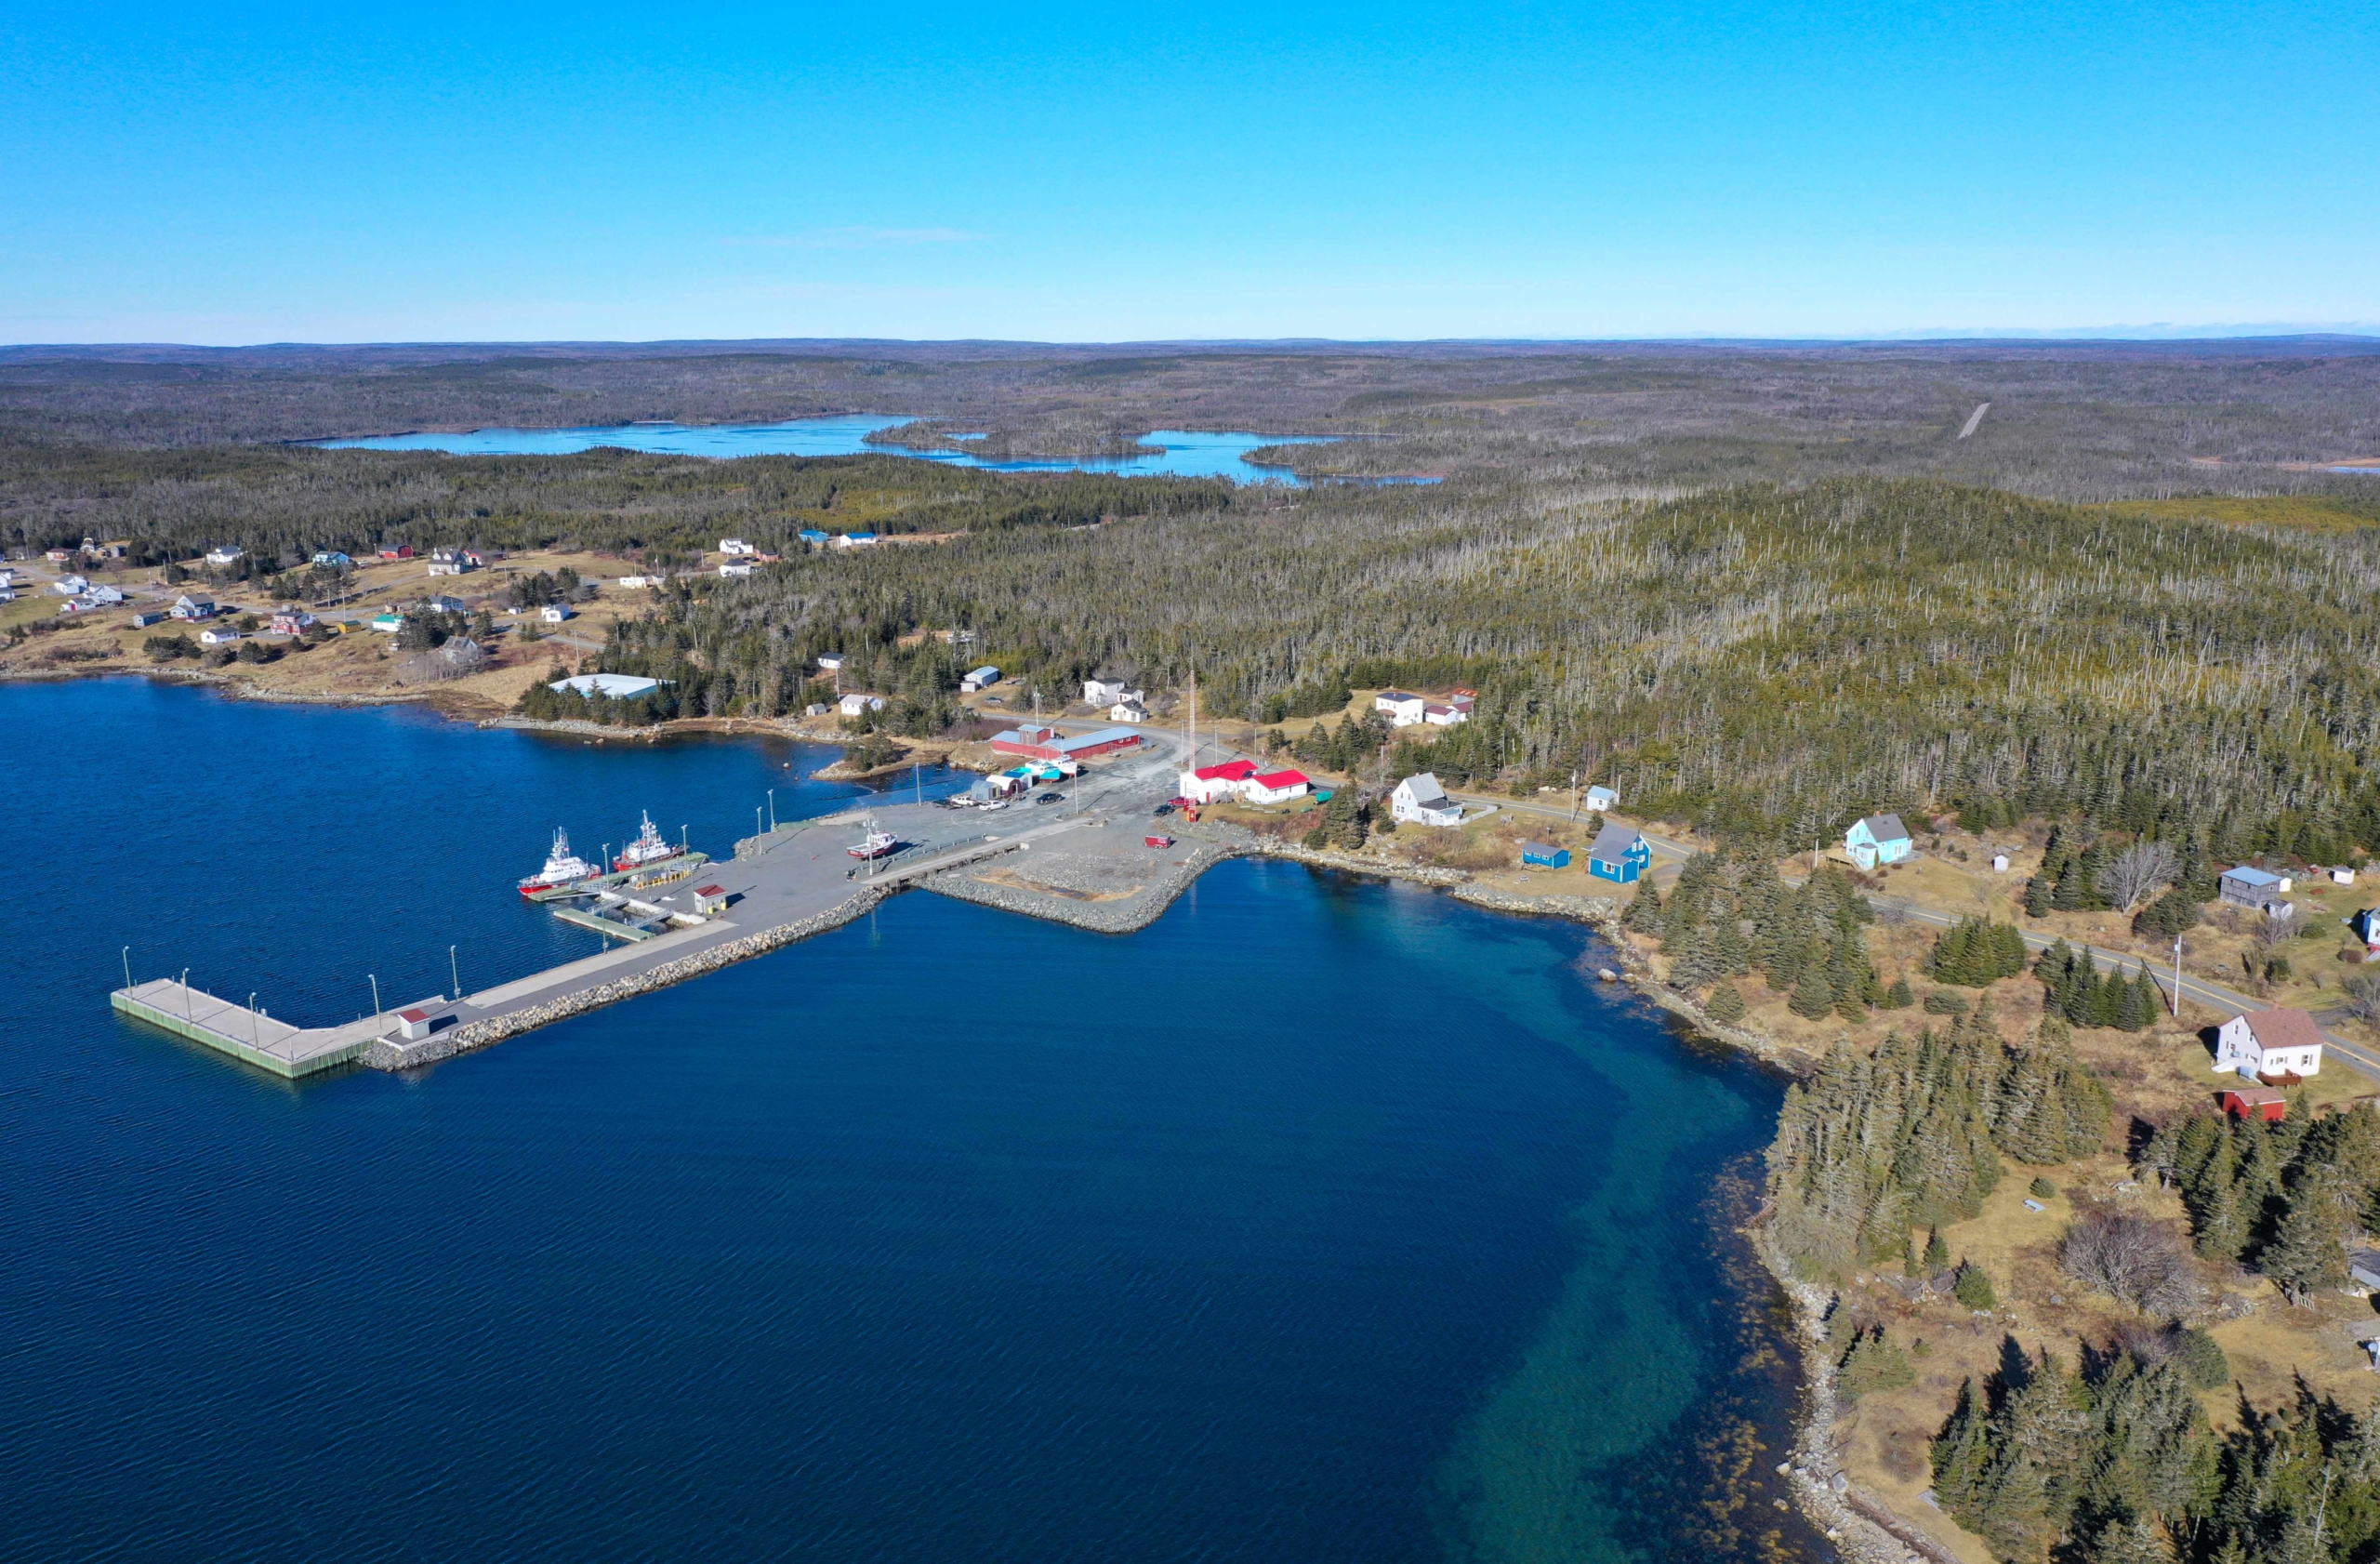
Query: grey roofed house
[[2250, 886], [1612, 844], [1886, 828]]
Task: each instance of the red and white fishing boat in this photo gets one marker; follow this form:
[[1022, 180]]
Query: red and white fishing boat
[[873, 845], [562, 867], [649, 848]]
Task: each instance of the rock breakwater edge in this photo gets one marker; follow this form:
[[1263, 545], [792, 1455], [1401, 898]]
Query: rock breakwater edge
[[386, 1054]]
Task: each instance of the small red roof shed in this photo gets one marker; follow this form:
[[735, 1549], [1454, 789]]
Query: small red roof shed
[[2254, 1102]]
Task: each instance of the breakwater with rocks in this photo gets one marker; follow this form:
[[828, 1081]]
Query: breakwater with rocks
[[389, 1053]]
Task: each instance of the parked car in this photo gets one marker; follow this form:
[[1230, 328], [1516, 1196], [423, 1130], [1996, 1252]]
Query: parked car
[[1052, 798], [1163, 810]]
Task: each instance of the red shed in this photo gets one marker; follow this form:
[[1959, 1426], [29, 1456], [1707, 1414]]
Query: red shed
[[2254, 1102]]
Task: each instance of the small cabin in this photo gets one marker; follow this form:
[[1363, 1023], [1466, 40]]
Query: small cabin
[[1545, 855], [413, 1025], [710, 900], [1620, 854], [1602, 798], [555, 613], [1276, 787], [1877, 839], [2254, 1102]]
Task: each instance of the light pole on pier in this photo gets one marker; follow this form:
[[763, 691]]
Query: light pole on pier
[[455, 972], [188, 1013], [772, 809], [756, 821], [252, 1020], [376, 997], [127, 966]]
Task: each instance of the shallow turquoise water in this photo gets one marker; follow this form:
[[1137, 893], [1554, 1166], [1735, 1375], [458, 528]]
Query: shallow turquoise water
[[1187, 453], [1322, 1219]]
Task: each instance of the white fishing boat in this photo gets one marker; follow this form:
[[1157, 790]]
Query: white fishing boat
[[562, 867], [649, 848], [874, 845]]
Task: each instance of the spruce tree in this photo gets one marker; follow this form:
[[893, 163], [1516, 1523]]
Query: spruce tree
[[1897, 997], [1726, 1005], [1814, 997], [1938, 1252], [2038, 893], [2305, 1257]]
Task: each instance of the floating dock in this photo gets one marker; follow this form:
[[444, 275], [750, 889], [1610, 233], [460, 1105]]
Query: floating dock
[[785, 885]]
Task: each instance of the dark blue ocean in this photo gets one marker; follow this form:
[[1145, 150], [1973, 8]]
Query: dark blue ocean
[[1323, 1220]]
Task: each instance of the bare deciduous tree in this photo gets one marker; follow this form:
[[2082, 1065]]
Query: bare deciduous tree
[[2362, 996], [2141, 869], [2131, 1259]]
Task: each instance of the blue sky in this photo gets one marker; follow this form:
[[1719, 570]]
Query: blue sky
[[1054, 173]]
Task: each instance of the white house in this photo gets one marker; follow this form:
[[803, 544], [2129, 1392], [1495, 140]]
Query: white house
[[217, 635], [830, 662], [70, 586], [855, 541], [1403, 710], [1419, 800], [194, 608], [555, 613], [226, 555], [643, 580], [2270, 1043], [2342, 876], [291, 621], [853, 704], [1111, 692], [1128, 712], [1444, 716], [449, 567], [1228, 780], [736, 547], [1602, 797], [102, 596], [445, 605], [1276, 787], [735, 569], [981, 678]]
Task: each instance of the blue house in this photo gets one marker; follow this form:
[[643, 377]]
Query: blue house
[[1619, 854], [813, 537], [1544, 855], [1879, 839]]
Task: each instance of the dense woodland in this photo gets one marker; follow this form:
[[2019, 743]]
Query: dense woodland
[[1760, 591]]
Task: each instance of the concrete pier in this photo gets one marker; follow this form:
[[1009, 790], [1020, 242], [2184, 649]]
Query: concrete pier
[[785, 885]]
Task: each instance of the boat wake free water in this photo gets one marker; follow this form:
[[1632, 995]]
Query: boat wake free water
[[562, 867]]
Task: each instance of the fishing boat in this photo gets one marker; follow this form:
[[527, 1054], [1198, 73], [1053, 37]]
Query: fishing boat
[[562, 867], [874, 845], [649, 848]]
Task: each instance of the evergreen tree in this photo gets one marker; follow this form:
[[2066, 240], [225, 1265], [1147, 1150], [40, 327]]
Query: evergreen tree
[[1897, 997], [2305, 1255], [2135, 1012], [2038, 893], [1726, 1005], [1938, 1252], [1972, 1288], [1645, 914], [1814, 997]]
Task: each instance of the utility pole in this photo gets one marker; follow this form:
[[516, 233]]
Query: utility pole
[[2178, 978], [772, 809], [1574, 796], [376, 997]]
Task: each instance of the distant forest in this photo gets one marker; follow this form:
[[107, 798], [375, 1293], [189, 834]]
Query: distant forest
[[1764, 590]]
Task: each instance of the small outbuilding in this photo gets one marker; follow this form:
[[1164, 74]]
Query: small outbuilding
[[1276, 787], [1545, 855], [414, 1025], [555, 613], [2260, 889], [710, 900], [981, 678], [2254, 1102], [1602, 798]]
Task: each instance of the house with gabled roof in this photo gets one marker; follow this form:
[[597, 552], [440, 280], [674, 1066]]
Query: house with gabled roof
[[1421, 800], [2269, 1045], [1620, 854], [1877, 839]]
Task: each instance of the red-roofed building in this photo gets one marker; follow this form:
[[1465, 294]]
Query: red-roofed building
[[1225, 781], [1276, 787], [2254, 1102]]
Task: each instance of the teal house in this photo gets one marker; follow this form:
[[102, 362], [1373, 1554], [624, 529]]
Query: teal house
[[1543, 854], [1619, 854], [1879, 839]]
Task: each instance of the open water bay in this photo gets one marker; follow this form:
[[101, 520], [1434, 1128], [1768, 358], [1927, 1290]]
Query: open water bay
[[1321, 1220]]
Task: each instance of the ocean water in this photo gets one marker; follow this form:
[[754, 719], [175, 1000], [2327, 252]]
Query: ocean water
[[1322, 1219], [1186, 454]]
